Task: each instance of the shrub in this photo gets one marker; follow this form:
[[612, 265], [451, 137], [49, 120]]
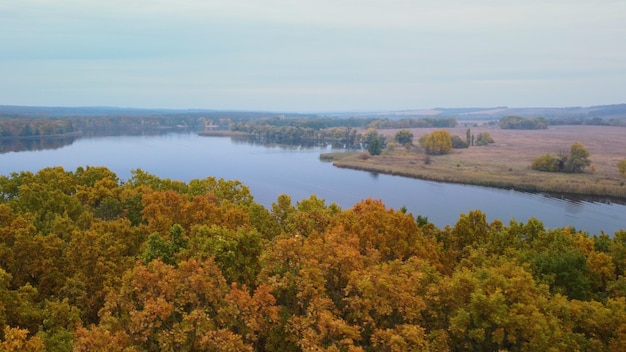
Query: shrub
[[484, 138], [458, 142], [547, 163], [576, 161]]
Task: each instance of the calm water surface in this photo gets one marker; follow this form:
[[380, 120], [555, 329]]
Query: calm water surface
[[271, 171]]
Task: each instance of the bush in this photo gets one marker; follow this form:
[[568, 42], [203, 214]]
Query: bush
[[547, 163], [576, 161], [458, 142], [483, 139]]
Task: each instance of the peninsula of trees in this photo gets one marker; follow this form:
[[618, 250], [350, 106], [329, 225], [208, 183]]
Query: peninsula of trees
[[91, 263]]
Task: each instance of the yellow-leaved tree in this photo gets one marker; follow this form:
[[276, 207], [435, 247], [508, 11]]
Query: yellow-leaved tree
[[438, 142]]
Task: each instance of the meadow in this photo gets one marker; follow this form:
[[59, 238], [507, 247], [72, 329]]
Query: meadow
[[506, 163]]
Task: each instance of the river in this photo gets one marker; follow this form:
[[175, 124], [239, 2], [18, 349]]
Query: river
[[298, 172]]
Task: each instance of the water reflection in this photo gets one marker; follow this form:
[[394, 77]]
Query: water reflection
[[247, 140], [34, 144], [297, 171], [39, 143]]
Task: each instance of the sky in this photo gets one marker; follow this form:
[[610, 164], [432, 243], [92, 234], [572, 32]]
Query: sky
[[312, 55]]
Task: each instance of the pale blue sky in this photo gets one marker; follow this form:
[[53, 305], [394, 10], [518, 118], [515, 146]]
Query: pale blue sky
[[304, 55]]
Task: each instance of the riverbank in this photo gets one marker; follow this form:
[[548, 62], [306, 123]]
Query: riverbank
[[506, 163]]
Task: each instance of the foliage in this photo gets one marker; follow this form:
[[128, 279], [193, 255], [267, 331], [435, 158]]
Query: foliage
[[458, 142], [426, 122], [547, 163], [437, 142], [578, 158], [483, 138], [576, 161], [404, 137], [522, 123], [88, 262], [374, 142]]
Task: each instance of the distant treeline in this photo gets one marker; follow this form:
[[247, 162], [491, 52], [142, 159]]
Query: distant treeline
[[355, 122], [523, 123], [326, 130], [514, 122], [299, 131], [46, 127], [591, 121], [35, 122], [426, 122]]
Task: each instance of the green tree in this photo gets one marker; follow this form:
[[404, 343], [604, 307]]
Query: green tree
[[438, 142], [484, 138], [578, 158], [458, 142], [375, 143], [404, 137], [158, 247]]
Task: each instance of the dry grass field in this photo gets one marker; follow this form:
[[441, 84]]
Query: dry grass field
[[506, 163]]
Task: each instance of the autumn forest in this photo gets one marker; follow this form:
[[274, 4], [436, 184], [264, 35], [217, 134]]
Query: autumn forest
[[91, 263]]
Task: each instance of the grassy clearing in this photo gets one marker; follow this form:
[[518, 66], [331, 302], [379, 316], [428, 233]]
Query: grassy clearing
[[506, 163]]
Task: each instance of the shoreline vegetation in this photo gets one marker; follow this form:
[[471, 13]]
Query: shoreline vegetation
[[506, 163]]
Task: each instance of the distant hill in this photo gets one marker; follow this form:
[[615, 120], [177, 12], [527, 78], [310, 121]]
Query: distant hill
[[95, 111], [616, 111], [600, 111]]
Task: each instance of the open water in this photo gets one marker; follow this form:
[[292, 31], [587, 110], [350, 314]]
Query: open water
[[298, 172]]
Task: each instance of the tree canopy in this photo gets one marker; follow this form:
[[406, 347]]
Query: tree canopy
[[374, 142], [404, 137], [484, 138], [437, 142], [92, 263]]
